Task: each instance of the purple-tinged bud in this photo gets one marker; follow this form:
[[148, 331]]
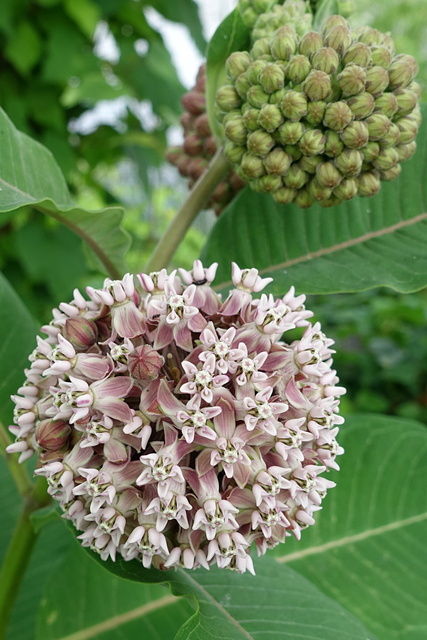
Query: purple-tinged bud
[[355, 135], [360, 54], [371, 151], [260, 143], [172, 155], [406, 101], [362, 105], [310, 43], [267, 184], [339, 38], [295, 178], [227, 98], [144, 363], [201, 125], [284, 43], [277, 162], [254, 70], [194, 102], [81, 332], [318, 191], [406, 151], [378, 126], [377, 80], [209, 146], [333, 21], [235, 130], [309, 163], [333, 144], [386, 159], [304, 199], [337, 116], [368, 184], [369, 36], [52, 435], [312, 142], [260, 48], [386, 104], [237, 63], [352, 80], [250, 118], [294, 105], [317, 86], [391, 174], [251, 166], [402, 71], [242, 85], [392, 138], [298, 69], [326, 59], [233, 152], [272, 78], [290, 132], [381, 56], [408, 127], [347, 189], [257, 97], [284, 195], [327, 175], [196, 167], [193, 145], [349, 162], [315, 112]]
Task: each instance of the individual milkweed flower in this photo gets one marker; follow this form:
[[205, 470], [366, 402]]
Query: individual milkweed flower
[[182, 430]]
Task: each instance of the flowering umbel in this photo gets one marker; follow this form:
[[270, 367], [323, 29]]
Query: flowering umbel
[[178, 428], [317, 117]]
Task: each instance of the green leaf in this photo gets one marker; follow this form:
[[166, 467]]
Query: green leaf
[[85, 14], [358, 245], [231, 35], [324, 10], [367, 549], [29, 175], [18, 331], [24, 49], [185, 12], [42, 517]]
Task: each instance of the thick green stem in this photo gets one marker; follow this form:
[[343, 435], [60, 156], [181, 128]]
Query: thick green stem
[[195, 202], [18, 471]]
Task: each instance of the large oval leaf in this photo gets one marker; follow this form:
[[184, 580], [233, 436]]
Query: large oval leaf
[[364, 243], [29, 175], [368, 549]]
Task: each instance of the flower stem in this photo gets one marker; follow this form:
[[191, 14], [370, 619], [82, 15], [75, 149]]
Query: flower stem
[[197, 198], [18, 471]]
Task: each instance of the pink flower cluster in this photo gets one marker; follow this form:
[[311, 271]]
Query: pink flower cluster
[[177, 428]]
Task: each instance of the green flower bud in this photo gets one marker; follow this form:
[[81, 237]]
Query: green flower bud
[[254, 70], [406, 101], [378, 126], [315, 112], [310, 43], [249, 17], [277, 162], [371, 151], [317, 86], [309, 163], [386, 159], [294, 105], [284, 195], [347, 189], [271, 78], [260, 143], [304, 199], [349, 162], [251, 166], [416, 115], [381, 56], [391, 174], [337, 116], [237, 63], [319, 192], [415, 87], [298, 69], [333, 144], [295, 178], [362, 105], [227, 98], [267, 183], [355, 135], [369, 36], [242, 85], [368, 184], [402, 71], [333, 201], [312, 142], [257, 97], [408, 128], [339, 38], [291, 132], [233, 152], [333, 21], [352, 80], [231, 115], [360, 54], [250, 118], [270, 117], [326, 59], [406, 151], [261, 48], [327, 175], [377, 80], [392, 138], [236, 131], [294, 151], [284, 43], [386, 104]]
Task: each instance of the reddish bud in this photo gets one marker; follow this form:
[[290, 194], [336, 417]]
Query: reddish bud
[[145, 363]]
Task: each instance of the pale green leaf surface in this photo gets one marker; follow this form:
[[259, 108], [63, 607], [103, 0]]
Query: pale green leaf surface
[[364, 243], [367, 549], [29, 175]]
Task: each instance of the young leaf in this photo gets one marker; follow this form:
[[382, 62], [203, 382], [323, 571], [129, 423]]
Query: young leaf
[[364, 243], [29, 175], [367, 549]]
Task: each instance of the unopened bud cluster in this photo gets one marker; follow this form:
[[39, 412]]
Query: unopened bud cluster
[[199, 147], [321, 117], [177, 428]]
